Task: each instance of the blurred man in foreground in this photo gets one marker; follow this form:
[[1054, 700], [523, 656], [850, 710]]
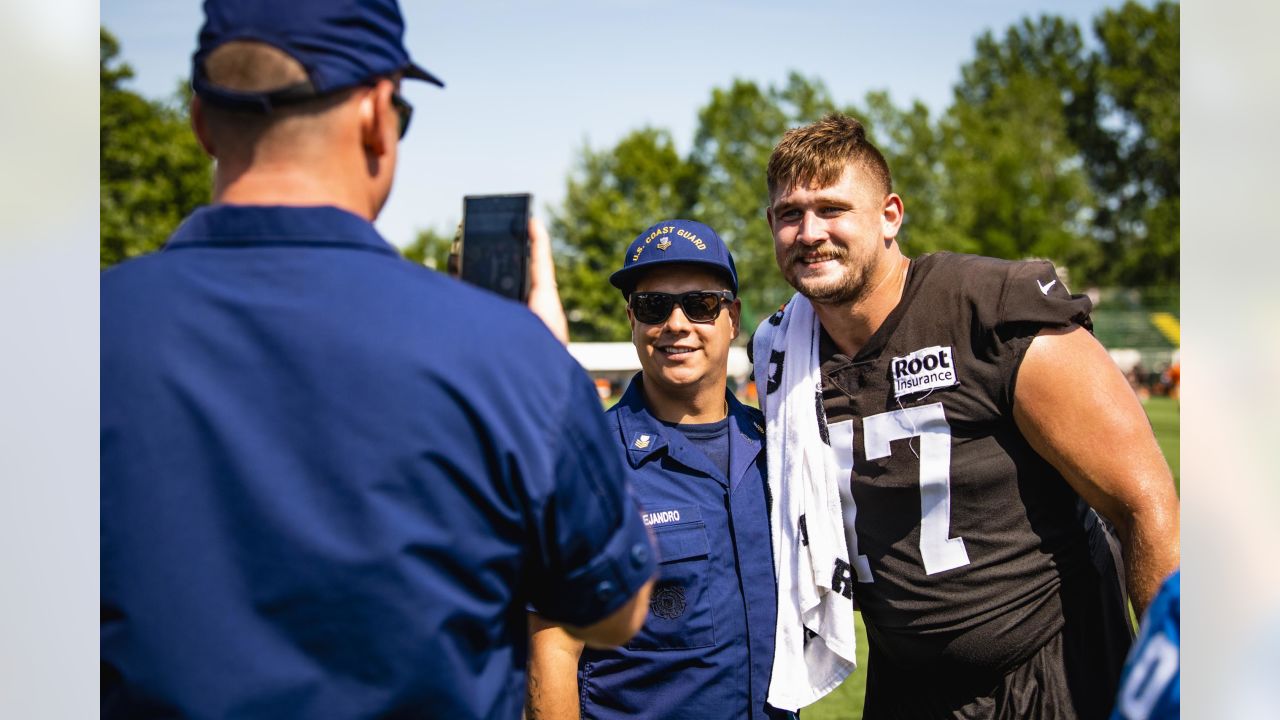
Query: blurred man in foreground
[[697, 463], [968, 411], [324, 494], [1151, 687]]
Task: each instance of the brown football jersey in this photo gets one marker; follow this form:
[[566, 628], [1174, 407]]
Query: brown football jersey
[[968, 548]]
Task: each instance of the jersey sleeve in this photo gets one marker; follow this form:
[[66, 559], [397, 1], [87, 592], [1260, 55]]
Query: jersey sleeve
[[1030, 298], [595, 551], [1034, 296]]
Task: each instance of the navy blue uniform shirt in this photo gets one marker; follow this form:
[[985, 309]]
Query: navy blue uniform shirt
[[706, 650], [332, 479]]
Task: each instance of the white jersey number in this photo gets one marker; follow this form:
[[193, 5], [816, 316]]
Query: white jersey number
[[938, 550], [1148, 678]]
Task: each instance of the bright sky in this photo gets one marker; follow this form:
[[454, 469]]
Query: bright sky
[[530, 84]]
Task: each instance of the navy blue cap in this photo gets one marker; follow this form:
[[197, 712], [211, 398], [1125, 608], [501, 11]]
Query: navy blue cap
[[674, 241], [340, 43]]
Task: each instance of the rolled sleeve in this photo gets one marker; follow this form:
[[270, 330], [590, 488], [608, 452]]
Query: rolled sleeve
[[590, 593], [596, 551]]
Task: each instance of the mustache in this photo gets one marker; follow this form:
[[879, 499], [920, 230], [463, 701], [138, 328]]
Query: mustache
[[825, 251]]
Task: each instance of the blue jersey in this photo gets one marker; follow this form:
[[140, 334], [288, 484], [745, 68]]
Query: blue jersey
[[332, 479], [1151, 688], [706, 649]]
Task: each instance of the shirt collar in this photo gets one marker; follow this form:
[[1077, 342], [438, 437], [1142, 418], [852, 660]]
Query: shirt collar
[[645, 436], [641, 431], [257, 225]]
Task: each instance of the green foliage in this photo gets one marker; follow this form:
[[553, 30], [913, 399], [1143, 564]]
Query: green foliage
[[1165, 416], [152, 171], [1016, 183], [612, 195], [1139, 71], [431, 248], [1049, 149]]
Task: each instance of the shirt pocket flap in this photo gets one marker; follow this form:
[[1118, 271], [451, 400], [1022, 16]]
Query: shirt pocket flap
[[682, 543]]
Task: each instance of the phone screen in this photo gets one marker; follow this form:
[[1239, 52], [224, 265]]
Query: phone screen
[[495, 243]]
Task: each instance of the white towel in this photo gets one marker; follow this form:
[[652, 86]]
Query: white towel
[[814, 645]]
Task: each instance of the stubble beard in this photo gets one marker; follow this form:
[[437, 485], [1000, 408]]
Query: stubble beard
[[849, 288]]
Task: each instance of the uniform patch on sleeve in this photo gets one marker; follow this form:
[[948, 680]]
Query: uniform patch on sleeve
[[923, 370]]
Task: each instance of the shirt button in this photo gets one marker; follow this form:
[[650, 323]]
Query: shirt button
[[604, 590], [639, 554]]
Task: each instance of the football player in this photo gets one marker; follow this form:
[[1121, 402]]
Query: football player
[[974, 415]]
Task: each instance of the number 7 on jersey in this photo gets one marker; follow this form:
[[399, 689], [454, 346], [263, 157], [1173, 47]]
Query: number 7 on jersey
[[938, 550]]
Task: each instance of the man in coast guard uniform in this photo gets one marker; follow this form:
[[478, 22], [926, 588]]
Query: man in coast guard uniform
[[976, 420], [697, 469], [324, 495]]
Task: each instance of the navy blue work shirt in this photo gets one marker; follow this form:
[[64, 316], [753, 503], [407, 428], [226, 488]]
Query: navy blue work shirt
[[332, 479], [706, 650]]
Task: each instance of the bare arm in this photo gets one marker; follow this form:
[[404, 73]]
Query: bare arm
[[1074, 406], [553, 672], [544, 295]]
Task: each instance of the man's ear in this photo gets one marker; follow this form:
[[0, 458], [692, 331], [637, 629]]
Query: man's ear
[[378, 118], [735, 315], [892, 219], [200, 126]]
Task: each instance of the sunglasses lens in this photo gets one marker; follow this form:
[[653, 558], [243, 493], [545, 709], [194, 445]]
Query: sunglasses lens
[[404, 110], [652, 308], [700, 306]]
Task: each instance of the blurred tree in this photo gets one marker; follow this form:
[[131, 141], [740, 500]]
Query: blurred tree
[[1050, 149], [612, 195], [430, 247], [1138, 79], [1016, 183], [152, 172]]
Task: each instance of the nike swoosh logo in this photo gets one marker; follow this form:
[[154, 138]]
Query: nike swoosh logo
[[1044, 289]]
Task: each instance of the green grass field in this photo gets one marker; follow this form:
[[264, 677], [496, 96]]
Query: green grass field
[[846, 702]]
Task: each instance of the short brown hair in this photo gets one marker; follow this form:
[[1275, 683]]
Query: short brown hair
[[251, 66], [818, 153]]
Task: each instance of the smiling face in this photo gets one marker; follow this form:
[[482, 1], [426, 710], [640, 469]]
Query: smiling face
[[679, 357], [831, 242]]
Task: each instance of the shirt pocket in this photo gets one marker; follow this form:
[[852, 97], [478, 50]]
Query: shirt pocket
[[680, 614]]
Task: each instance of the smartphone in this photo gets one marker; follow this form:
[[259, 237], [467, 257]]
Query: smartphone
[[494, 252]]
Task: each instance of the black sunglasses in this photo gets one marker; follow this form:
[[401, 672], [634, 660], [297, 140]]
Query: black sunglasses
[[653, 308], [404, 110]]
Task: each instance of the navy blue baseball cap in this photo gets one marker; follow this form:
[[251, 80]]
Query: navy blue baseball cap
[[674, 241], [340, 43]]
